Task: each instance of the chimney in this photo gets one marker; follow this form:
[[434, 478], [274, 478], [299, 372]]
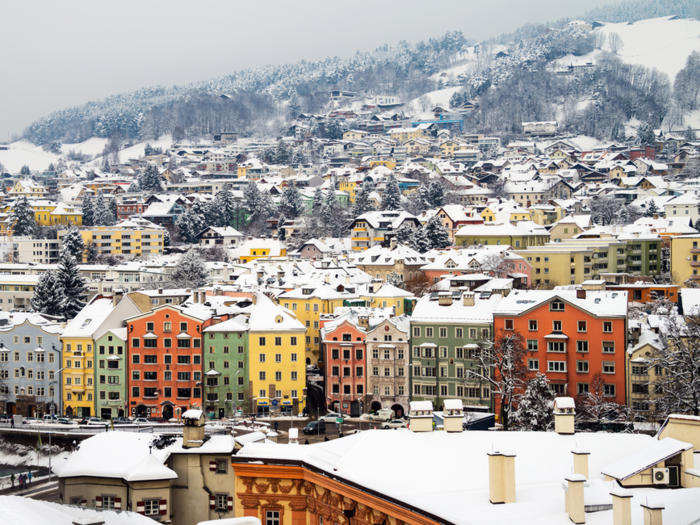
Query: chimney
[[421, 416], [622, 511], [468, 298], [564, 412], [202, 296], [393, 243], [501, 477], [363, 321], [118, 296], [445, 298], [376, 285], [335, 260], [581, 461], [574, 502], [195, 296], [254, 298], [580, 294], [652, 513], [347, 279], [193, 430], [453, 415], [327, 279]]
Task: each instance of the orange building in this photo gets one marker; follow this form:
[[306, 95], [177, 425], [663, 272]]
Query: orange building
[[646, 293], [577, 338], [165, 360], [346, 367]]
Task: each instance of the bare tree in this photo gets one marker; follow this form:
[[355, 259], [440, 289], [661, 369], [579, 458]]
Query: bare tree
[[595, 406], [497, 265], [677, 365], [503, 365], [616, 43], [419, 284], [600, 39]]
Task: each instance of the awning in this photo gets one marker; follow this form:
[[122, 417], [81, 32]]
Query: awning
[[150, 335], [114, 357], [556, 336], [471, 346], [428, 345], [183, 336], [40, 350]]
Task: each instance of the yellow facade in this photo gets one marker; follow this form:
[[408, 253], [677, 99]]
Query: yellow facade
[[348, 187], [558, 268], [78, 376], [277, 362], [47, 213], [389, 163], [405, 134], [118, 241], [489, 216], [31, 192], [685, 258], [354, 134]]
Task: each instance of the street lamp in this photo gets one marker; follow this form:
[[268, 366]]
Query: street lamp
[[56, 382]]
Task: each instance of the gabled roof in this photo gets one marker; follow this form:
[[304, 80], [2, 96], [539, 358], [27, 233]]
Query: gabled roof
[[647, 457]]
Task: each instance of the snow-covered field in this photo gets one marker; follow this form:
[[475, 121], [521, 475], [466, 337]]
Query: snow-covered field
[[25, 153]]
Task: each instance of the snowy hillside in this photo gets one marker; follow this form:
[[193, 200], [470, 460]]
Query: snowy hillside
[[25, 153]]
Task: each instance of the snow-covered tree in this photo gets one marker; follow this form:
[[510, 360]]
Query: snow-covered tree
[[498, 265], [22, 218], [420, 241], [72, 243], [291, 203], [436, 233], [595, 406], [226, 208], [190, 271], [252, 199], [622, 216], [436, 194], [394, 279], [603, 209], [318, 201], [652, 209], [404, 233], [362, 203], [502, 362], [645, 134], [190, 224], [690, 135], [534, 411], [72, 285], [102, 212], [391, 200], [48, 295], [24, 170], [149, 180], [88, 211]]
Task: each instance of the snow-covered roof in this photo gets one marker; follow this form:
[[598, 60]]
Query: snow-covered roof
[[597, 303], [89, 319], [266, 316], [655, 452]]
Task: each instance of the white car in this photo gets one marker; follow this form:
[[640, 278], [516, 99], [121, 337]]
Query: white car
[[331, 417]]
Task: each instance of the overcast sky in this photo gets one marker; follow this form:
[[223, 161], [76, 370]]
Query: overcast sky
[[61, 54]]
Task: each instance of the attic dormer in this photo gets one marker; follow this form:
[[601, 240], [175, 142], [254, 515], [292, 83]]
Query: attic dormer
[[279, 319]]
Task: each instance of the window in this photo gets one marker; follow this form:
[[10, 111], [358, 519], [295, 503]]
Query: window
[[278, 341], [150, 327], [135, 359], [532, 326], [533, 364], [167, 343], [293, 341], [443, 332], [556, 306], [183, 327], [582, 367], [278, 377], [509, 324], [262, 341], [135, 391], [428, 332], [416, 331], [609, 390], [459, 333], [608, 347], [272, 517], [184, 343], [582, 326], [608, 367], [556, 346], [167, 326], [532, 345], [582, 388], [607, 327], [278, 358], [262, 376], [135, 342], [150, 359], [556, 326], [221, 499], [294, 376], [582, 346], [262, 358], [472, 333], [151, 507], [556, 366]]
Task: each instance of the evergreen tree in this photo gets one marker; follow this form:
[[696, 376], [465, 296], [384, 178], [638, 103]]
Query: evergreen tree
[[22, 218], [690, 135], [292, 205], [99, 214], [149, 180], [436, 194], [534, 411], [394, 279], [420, 241], [190, 224], [318, 201], [88, 211], [404, 233], [436, 233], [391, 200], [227, 209], [72, 243], [697, 225], [48, 295], [190, 271], [113, 212], [72, 284], [622, 216], [362, 203], [24, 170], [252, 199], [328, 211], [281, 155], [645, 134], [652, 210]]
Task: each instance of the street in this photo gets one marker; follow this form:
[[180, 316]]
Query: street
[[331, 430]]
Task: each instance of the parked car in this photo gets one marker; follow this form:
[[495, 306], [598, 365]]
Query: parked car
[[331, 417], [142, 421], [97, 421], [157, 420], [315, 427], [48, 418], [122, 421], [30, 421], [5, 418], [384, 414], [64, 421], [352, 431], [395, 423]]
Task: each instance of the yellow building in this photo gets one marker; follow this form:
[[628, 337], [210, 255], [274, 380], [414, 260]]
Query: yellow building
[[29, 189], [387, 162], [350, 186], [685, 257], [259, 249], [545, 215], [641, 375], [508, 214], [50, 213], [402, 135], [277, 368], [387, 296], [117, 240], [557, 267], [308, 303], [355, 134]]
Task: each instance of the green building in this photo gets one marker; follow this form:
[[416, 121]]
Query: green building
[[226, 368], [111, 374], [446, 329]]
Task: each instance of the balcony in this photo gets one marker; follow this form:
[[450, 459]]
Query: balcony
[[695, 264], [695, 250]]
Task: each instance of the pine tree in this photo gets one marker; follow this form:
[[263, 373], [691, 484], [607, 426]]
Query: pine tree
[[318, 201], [420, 241], [226, 207], [436, 194], [99, 214], [391, 200], [113, 211], [72, 243], [22, 218], [88, 211], [404, 233], [328, 211], [190, 271], [48, 294], [394, 279], [362, 203], [190, 224], [291, 202], [652, 210], [436, 233], [252, 200], [150, 180], [690, 135], [622, 216], [645, 134], [72, 284], [24, 170], [534, 411]]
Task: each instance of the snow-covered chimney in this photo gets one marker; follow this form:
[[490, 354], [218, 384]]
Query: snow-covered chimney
[[574, 502], [564, 413], [193, 430], [501, 477], [89, 520], [622, 508], [452, 415], [653, 513], [581, 461], [421, 416], [468, 298], [445, 298]]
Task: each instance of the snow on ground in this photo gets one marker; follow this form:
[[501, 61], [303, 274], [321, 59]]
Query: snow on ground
[[657, 42], [23, 152], [92, 146], [437, 98], [138, 150]]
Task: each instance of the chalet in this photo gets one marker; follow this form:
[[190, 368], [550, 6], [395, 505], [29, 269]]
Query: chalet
[[220, 236]]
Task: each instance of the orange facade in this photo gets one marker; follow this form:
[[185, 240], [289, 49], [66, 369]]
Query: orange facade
[[346, 367], [572, 347], [645, 293], [165, 362]]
